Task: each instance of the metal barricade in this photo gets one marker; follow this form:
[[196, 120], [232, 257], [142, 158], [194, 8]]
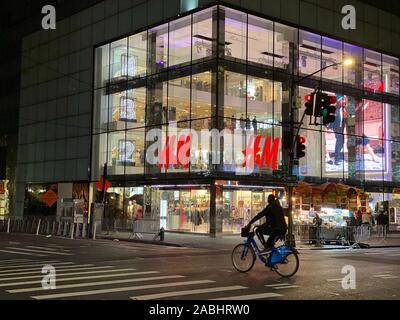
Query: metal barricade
[[362, 234], [146, 226], [314, 235]]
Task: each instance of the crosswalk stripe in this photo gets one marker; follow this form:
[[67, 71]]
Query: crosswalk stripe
[[23, 253], [394, 255], [40, 251], [46, 248], [286, 287], [98, 270], [186, 293], [98, 283], [14, 260], [334, 280], [81, 278], [251, 296], [277, 285], [374, 253], [122, 289], [35, 264], [18, 272]]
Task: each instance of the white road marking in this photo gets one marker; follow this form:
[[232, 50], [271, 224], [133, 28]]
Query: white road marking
[[36, 264], [335, 280], [186, 293], [81, 278], [47, 248], [14, 260], [23, 253], [72, 274], [286, 287], [40, 251], [277, 285], [394, 255], [122, 289], [36, 270], [251, 296], [99, 283]]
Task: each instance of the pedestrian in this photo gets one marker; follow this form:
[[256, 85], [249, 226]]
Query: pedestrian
[[366, 224], [380, 224], [317, 222]]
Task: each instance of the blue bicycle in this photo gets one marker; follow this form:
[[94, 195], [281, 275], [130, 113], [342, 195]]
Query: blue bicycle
[[283, 260]]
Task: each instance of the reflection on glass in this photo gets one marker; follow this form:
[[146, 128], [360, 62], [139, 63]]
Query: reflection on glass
[[235, 34], [310, 53], [260, 41], [180, 41], [202, 38], [373, 71]]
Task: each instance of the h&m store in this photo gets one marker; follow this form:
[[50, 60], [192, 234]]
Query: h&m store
[[220, 68]]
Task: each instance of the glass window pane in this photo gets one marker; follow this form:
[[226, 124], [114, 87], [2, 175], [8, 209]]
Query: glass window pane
[[202, 40], [133, 107], [119, 60], [332, 52], [352, 75], [119, 153], [391, 74], [200, 153], [310, 165], [395, 122], [179, 100], [99, 155], [201, 95], [180, 43], [235, 34], [158, 49], [285, 41], [259, 100], [372, 71], [100, 111], [137, 55], [235, 98], [309, 53], [156, 101], [102, 66], [134, 152], [261, 41]]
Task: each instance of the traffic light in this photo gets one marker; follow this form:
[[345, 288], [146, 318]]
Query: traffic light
[[329, 109], [300, 147], [320, 100], [309, 104]]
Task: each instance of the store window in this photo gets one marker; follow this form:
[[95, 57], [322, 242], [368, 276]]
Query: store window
[[157, 100], [179, 100], [201, 95], [235, 99], [203, 41], [136, 63], [260, 98], [102, 70], [235, 34], [390, 69], [119, 60], [353, 74], [332, 52], [260, 41], [133, 152], [310, 53], [100, 111], [185, 210], [373, 71], [180, 41], [158, 49], [201, 152], [285, 42], [133, 108]]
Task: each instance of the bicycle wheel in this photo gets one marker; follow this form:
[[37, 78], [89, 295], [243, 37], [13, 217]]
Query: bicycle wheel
[[289, 266], [243, 257]]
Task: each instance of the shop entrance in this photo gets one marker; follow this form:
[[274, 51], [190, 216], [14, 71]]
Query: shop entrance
[[241, 205], [185, 210]]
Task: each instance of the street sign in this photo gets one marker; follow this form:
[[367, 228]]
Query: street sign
[[50, 198]]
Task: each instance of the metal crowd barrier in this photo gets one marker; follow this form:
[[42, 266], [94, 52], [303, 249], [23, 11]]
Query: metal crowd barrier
[[44, 226], [135, 227], [325, 235]]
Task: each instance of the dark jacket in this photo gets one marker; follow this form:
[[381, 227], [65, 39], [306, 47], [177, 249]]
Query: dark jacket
[[382, 219], [274, 216]]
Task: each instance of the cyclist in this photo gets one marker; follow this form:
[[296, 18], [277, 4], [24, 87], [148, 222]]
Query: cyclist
[[274, 226]]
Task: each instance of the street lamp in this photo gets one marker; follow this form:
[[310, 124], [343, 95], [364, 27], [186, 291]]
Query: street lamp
[[345, 62]]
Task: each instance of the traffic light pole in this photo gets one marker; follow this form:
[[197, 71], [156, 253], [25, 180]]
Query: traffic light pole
[[290, 240]]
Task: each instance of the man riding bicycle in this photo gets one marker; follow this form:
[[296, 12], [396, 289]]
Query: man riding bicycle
[[274, 226]]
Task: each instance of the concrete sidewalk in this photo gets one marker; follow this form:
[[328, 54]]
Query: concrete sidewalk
[[227, 242]]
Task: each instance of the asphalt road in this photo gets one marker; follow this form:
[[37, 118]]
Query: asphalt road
[[108, 270]]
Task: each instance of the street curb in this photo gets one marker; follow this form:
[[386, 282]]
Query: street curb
[[167, 244], [345, 248]]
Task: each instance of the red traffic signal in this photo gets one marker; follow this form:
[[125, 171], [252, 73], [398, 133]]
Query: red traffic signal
[[300, 147], [309, 104], [332, 99], [308, 97]]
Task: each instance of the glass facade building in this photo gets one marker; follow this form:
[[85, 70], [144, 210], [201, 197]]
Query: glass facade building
[[224, 69]]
